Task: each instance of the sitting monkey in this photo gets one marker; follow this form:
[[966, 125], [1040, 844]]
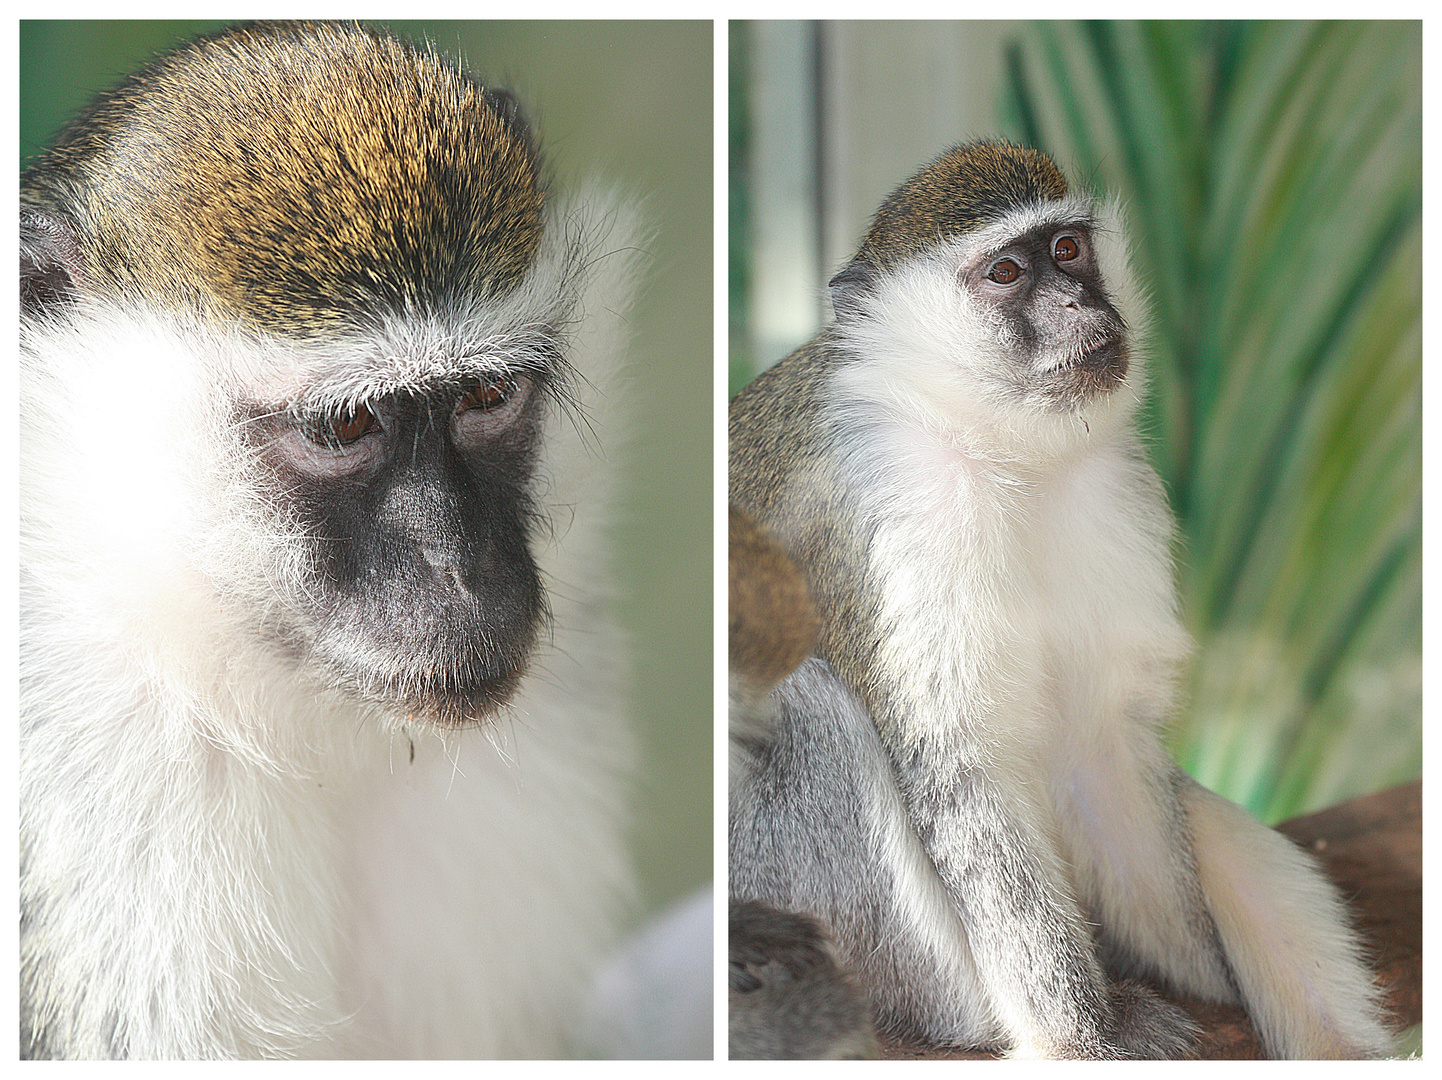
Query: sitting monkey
[[966, 781]]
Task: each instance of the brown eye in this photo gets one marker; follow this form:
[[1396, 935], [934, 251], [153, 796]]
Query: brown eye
[[1066, 248], [1004, 271], [344, 427], [490, 394]]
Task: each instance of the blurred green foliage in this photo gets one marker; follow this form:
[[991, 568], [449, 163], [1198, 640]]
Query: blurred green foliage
[[1272, 176]]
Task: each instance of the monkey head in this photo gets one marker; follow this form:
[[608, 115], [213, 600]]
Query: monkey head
[[993, 289], [319, 274]]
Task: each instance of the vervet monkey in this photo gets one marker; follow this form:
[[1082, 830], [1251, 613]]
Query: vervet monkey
[[789, 997], [321, 749], [967, 781]]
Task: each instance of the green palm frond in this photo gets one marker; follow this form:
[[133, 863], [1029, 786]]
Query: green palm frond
[[1272, 177]]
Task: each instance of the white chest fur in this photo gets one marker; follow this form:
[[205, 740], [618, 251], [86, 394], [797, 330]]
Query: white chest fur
[[1039, 602]]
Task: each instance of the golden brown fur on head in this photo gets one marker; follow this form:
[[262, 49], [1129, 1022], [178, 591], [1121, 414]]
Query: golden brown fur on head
[[322, 171], [962, 189]]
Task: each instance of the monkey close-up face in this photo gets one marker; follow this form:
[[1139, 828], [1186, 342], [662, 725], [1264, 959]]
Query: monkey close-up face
[[425, 593], [407, 469], [326, 740], [1051, 306]]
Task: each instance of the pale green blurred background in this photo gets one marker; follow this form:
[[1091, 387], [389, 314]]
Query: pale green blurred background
[[1272, 175], [632, 103]]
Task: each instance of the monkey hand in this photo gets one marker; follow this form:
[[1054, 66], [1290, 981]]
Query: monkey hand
[[1147, 1026], [789, 997], [1137, 1024]]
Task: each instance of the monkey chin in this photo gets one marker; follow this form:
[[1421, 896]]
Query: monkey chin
[[464, 689], [447, 704], [1096, 371]]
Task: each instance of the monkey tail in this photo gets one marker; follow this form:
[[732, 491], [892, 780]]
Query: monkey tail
[[1297, 964]]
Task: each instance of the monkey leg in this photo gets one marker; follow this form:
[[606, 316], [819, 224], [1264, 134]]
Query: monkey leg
[[817, 826], [1029, 933], [1123, 832], [789, 998], [1284, 930]]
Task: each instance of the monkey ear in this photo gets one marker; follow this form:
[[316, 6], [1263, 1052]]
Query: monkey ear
[[51, 262], [851, 286]]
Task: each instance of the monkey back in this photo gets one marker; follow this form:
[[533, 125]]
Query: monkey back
[[299, 176]]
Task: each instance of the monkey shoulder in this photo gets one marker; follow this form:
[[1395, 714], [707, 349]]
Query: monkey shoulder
[[777, 439], [785, 400], [785, 472]]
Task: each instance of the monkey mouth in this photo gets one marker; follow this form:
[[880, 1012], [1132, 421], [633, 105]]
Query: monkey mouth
[[444, 681], [1106, 359], [455, 707], [1095, 369], [442, 702]]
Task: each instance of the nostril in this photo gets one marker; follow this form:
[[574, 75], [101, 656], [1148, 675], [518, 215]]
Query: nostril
[[446, 567]]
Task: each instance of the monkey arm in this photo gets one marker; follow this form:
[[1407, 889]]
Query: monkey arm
[[1018, 919], [1031, 944]]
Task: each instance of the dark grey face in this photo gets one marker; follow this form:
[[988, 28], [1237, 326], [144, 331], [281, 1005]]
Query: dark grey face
[[426, 597], [1056, 319]]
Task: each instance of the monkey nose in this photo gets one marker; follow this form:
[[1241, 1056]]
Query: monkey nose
[[446, 567]]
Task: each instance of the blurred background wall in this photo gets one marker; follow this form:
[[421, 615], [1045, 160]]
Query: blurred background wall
[[631, 102], [1272, 178]]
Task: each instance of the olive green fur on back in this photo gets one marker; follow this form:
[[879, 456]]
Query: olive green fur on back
[[775, 425], [966, 187], [298, 176], [784, 473]]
